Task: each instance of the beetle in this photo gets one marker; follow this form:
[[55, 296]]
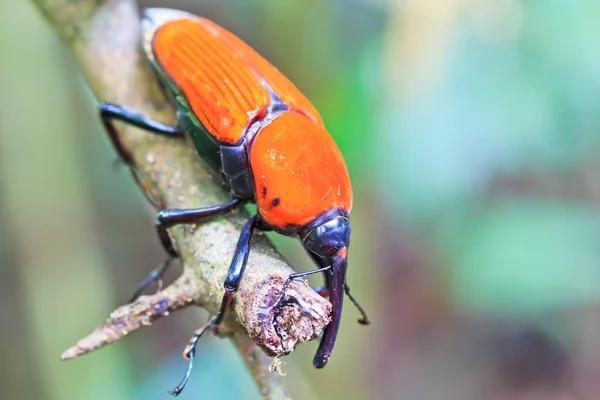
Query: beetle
[[250, 123]]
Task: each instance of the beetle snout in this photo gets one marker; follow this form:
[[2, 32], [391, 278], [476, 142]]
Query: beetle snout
[[328, 238]]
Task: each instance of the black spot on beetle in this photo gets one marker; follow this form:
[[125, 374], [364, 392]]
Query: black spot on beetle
[[275, 201], [264, 191]]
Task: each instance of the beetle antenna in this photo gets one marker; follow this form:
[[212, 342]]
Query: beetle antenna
[[189, 352], [365, 318]]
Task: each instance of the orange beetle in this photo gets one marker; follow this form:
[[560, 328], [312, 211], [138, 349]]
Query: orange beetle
[[268, 141]]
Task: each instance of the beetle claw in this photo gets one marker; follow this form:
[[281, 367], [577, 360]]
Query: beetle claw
[[189, 353]]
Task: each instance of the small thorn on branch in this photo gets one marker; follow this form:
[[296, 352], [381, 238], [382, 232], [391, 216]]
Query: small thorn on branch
[[128, 318]]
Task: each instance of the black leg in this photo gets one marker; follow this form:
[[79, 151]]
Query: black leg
[[232, 282], [189, 352], [110, 112], [172, 217], [155, 275], [324, 291], [365, 318], [168, 218], [113, 111], [294, 276], [237, 267]]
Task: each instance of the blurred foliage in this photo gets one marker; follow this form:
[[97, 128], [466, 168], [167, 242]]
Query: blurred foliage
[[471, 131]]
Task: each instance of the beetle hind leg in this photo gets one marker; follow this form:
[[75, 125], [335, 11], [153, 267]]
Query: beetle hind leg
[[110, 112], [156, 275]]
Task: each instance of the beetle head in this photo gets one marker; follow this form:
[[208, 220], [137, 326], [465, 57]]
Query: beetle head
[[328, 237]]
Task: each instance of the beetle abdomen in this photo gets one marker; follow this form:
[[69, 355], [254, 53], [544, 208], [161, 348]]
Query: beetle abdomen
[[218, 84], [221, 76]]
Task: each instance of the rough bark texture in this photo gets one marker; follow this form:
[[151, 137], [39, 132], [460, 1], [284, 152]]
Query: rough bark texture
[[104, 37]]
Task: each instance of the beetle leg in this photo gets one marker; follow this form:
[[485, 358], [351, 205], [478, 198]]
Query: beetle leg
[[171, 217], [155, 275], [110, 112], [295, 276], [189, 352], [232, 282], [324, 291], [365, 318], [237, 267]]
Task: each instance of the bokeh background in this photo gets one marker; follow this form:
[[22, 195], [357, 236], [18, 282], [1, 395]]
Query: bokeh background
[[471, 129]]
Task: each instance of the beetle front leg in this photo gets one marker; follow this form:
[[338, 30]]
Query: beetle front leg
[[324, 291], [365, 318], [110, 112], [296, 276], [232, 282]]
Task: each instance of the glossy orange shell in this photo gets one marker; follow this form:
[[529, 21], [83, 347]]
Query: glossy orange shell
[[299, 171], [220, 76]]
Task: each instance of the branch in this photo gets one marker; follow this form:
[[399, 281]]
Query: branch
[[104, 37]]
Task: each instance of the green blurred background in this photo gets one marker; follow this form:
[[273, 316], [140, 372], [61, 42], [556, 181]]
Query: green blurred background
[[472, 132]]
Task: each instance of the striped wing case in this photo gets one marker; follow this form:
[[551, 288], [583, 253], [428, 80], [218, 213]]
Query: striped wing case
[[225, 82]]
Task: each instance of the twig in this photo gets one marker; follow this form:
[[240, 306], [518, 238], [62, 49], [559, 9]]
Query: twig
[[104, 37]]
